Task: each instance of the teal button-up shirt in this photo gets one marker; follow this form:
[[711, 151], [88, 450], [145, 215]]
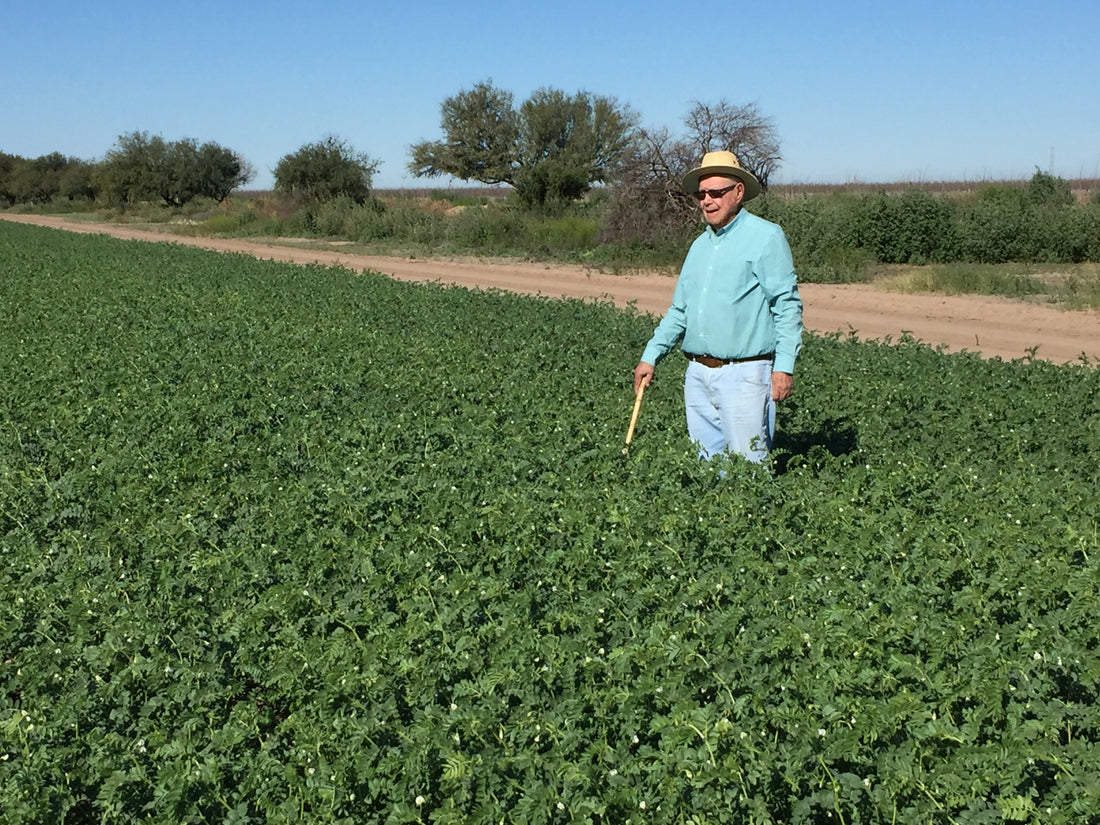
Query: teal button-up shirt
[[736, 297]]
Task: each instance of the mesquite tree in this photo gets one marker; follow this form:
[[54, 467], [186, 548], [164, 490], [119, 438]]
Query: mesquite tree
[[326, 169], [555, 147], [141, 168], [649, 202]]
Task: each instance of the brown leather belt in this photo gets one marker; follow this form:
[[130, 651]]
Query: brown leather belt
[[712, 362]]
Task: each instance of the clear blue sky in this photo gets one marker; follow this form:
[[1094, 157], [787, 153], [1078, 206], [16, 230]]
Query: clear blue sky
[[868, 90]]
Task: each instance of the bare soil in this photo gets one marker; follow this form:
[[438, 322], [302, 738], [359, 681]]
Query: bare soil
[[991, 326]]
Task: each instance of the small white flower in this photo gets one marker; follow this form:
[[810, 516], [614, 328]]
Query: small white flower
[[821, 731], [642, 804], [561, 806], [419, 801]]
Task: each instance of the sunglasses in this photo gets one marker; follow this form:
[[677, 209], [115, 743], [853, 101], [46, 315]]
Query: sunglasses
[[714, 193]]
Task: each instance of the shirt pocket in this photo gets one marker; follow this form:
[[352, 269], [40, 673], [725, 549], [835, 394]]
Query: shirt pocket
[[733, 281]]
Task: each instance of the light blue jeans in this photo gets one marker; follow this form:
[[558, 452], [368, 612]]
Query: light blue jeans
[[730, 408]]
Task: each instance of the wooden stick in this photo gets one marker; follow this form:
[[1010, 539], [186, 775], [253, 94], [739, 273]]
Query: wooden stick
[[634, 415]]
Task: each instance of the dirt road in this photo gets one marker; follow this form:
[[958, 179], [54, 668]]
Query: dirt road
[[990, 326]]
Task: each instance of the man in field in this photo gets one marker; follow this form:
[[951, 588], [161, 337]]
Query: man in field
[[736, 314]]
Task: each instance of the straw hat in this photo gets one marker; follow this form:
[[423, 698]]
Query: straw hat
[[722, 163]]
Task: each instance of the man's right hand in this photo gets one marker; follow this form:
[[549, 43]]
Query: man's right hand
[[643, 375]]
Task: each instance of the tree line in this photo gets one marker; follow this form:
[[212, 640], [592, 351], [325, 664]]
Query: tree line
[[551, 148], [590, 154], [137, 169]]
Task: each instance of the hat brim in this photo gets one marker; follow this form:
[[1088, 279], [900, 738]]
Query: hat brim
[[752, 185]]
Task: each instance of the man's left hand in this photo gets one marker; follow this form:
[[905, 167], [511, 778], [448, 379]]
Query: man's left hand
[[782, 385]]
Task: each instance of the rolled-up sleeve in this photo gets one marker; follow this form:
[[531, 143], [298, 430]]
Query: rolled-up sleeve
[[671, 329]]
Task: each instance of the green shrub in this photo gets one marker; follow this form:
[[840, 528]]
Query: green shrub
[[824, 233], [839, 264], [221, 224], [1091, 228], [995, 228], [1060, 234], [404, 221], [330, 217], [634, 257], [914, 227], [569, 234], [366, 224], [330, 168], [1045, 189], [270, 226], [493, 230], [1036, 223]]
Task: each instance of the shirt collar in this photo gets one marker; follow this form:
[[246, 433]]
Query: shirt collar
[[718, 233]]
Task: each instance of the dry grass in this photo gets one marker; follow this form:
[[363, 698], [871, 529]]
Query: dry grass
[[1075, 286]]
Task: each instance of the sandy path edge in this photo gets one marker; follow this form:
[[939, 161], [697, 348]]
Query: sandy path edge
[[994, 327]]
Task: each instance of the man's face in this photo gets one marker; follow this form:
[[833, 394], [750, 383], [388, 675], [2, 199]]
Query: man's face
[[718, 211]]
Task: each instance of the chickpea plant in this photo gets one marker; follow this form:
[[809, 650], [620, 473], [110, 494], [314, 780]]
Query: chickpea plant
[[293, 544]]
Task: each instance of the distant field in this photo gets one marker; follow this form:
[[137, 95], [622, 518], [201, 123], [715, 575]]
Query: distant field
[[1082, 187]]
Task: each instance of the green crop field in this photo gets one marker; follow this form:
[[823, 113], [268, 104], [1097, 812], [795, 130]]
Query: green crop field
[[289, 544]]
